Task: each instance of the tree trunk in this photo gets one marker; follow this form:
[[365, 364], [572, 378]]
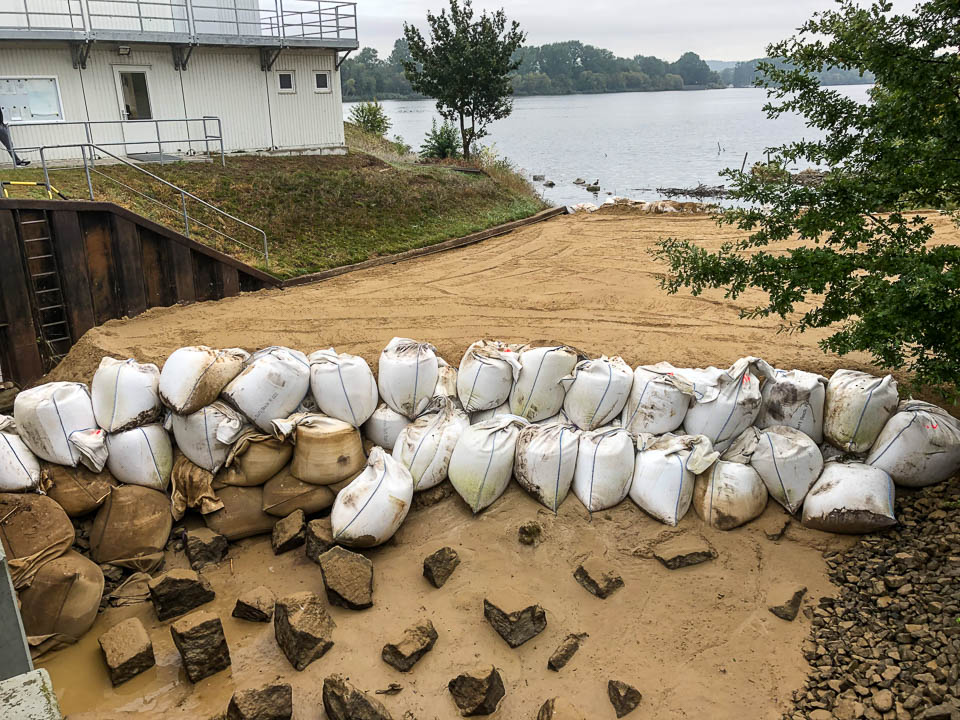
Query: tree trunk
[[465, 138]]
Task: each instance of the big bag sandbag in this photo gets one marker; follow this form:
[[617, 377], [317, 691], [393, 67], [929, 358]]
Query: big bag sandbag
[[343, 386], [545, 460], [407, 375], [326, 451], [255, 457], [370, 510], [283, 493], [242, 515], [20, 469], [658, 400], [193, 377], [919, 445], [125, 394], [78, 491], [850, 498], [56, 422], [271, 386], [538, 392], [482, 462], [141, 456], [424, 446], [131, 529], [795, 399], [729, 495], [488, 370], [665, 472], [857, 407], [34, 530], [604, 470], [596, 391], [384, 426], [207, 435]]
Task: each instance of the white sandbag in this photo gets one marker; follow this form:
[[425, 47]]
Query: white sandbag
[[538, 393], [596, 391], [370, 509], [794, 399], [658, 400], [125, 394], [343, 386], [919, 445], [141, 456], [271, 386], [446, 380], [192, 377], [407, 375], [481, 415], [664, 475], [56, 422], [487, 373], [482, 462], [206, 436], [850, 498], [857, 407], [424, 446], [560, 417], [384, 426], [544, 461], [604, 468], [729, 495], [19, 468]]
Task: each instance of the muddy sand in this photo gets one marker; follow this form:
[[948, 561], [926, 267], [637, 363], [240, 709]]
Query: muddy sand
[[697, 642]]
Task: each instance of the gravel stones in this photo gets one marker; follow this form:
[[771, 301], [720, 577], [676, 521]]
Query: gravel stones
[[303, 628], [177, 592], [438, 567], [624, 698], [681, 551], [289, 533], [205, 547], [788, 610], [127, 650], [566, 650], [273, 701], [598, 577], [477, 692], [342, 701], [560, 709], [417, 641], [516, 627], [255, 605], [202, 645], [348, 578]]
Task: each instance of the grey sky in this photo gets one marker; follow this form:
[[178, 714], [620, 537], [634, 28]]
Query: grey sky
[[715, 29]]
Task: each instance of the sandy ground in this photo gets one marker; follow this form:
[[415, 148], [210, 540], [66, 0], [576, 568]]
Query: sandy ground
[[698, 642]]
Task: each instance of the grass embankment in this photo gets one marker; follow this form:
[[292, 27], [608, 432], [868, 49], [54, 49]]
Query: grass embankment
[[319, 212]]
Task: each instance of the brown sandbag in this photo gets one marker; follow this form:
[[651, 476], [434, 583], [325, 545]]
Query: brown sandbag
[[327, 451], [242, 515], [34, 530], [79, 491], [132, 528], [283, 494], [191, 487], [61, 603], [255, 458]]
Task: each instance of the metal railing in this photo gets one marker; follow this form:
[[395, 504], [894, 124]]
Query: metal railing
[[90, 169]]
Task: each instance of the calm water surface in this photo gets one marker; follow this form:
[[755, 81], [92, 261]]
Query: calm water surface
[[631, 142]]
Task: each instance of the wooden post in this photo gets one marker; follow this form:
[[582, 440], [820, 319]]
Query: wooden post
[[27, 363]]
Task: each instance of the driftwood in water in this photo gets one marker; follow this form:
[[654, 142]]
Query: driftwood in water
[[700, 192]]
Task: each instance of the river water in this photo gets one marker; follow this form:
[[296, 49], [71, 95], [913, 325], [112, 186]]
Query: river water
[[632, 143]]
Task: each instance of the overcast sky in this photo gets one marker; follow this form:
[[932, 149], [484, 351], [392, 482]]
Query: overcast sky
[[714, 29]]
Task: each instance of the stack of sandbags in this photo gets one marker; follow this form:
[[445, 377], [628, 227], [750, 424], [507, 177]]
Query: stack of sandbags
[[424, 446], [19, 468], [57, 423]]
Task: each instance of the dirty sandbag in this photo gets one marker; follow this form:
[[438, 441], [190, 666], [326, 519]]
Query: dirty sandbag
[[193, 377], [658, 400], [370, 509], [384, 426], [794, 399], [424, 446], [325, 450], [34, 529], [19, 468], [407, 375], [919, 445], [141, 456], [850, 498], [596, 391], [482, 462], [132, 591], [343, 386], [271, 386], [538, 393], [255, 458], [283, 493], [207, 435], [78, 491], [488, 370], [729, 495], [664, 475], [242, 515], [56, 422], [604, 469], [131, 529], [446, 381], [857, 407], [545, 460], [125, 394], [481, 415], [191, 489]]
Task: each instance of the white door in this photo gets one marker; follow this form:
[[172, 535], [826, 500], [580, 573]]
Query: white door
[[133, 94]]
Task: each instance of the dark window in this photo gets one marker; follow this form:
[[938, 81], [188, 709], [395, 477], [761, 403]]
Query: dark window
[[286, 81], [323, 81]]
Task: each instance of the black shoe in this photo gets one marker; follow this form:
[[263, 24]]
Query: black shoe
[[22, 163]]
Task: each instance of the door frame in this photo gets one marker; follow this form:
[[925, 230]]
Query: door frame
[[133, 140]]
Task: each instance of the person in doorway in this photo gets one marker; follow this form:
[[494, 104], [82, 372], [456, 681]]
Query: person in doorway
[[8, 142]]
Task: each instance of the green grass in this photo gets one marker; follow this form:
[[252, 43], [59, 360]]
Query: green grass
[[319, 212]]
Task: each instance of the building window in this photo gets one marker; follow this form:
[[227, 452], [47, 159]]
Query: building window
[[30, 99], [286, 82], [321, 81]]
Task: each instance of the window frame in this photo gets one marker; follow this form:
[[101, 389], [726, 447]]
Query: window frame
[[31, 120], [293, 82], [329, 88]]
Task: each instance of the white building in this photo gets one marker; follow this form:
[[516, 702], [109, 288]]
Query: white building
[[135, 76]]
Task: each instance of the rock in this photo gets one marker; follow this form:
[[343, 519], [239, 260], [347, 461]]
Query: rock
[[530, 533], [202, 645], [478, 692], [417, 641], [342, 701], [127, 650], [624, 698], [289, 533], [593, 188], [539, 178], [205, 547], [939, 712], [269, 702], [432, 496], [883, 701], [789, 609], [516, 627], [255, 605], [303, 628], [549, 183], [560, 709], [438, 567], [566, 650], [319, 538], [598, 577], [348, 578], [177, 592], [680, 552], [848, 709]]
